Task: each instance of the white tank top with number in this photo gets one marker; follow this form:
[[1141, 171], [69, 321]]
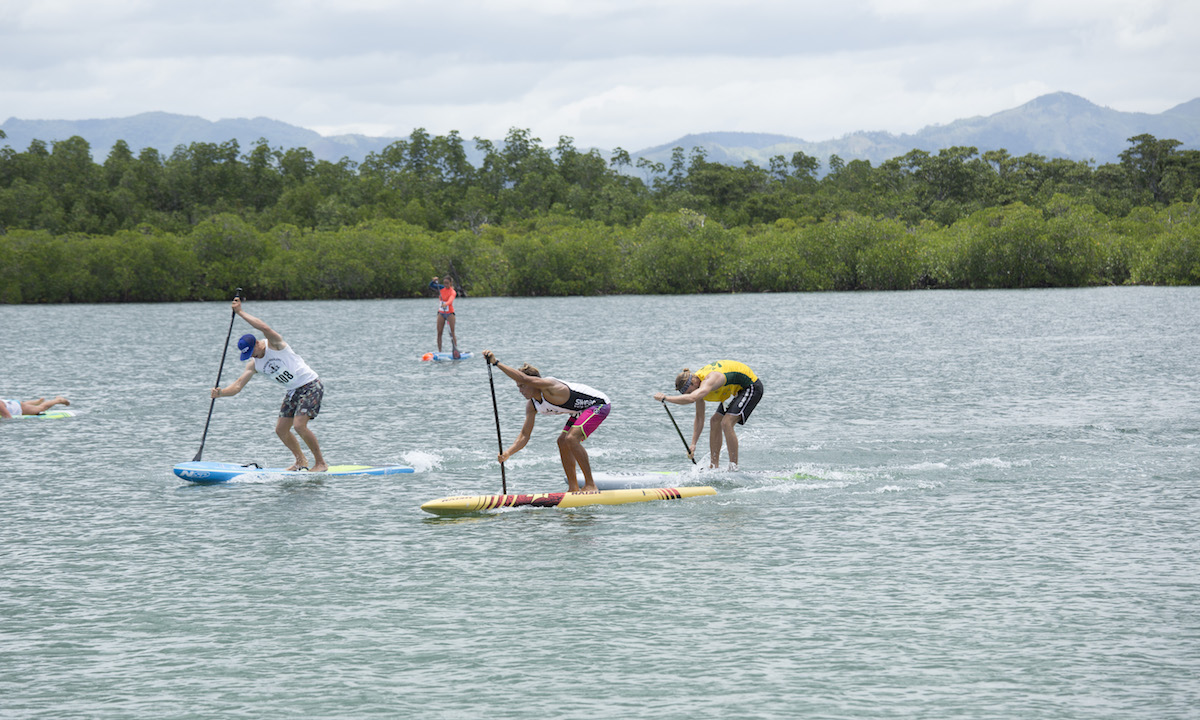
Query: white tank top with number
[[285, 367]]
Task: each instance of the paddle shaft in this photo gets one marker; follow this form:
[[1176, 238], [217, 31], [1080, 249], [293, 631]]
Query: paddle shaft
[[457, 282], [685, 444], [220, 369], [499, 442]]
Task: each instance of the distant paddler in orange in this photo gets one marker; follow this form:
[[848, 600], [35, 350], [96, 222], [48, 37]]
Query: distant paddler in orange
[[445, 314]]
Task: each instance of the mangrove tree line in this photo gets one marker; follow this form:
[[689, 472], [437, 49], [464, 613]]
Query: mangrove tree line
[[533, 221]]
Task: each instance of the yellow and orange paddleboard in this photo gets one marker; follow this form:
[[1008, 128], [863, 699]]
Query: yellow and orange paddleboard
[[462, 504]]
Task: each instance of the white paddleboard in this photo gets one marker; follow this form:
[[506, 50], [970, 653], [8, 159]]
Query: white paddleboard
[[621, 479], [48, 415]]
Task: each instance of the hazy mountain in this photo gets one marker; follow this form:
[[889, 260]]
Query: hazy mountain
[[1056, 125], [165, 131]]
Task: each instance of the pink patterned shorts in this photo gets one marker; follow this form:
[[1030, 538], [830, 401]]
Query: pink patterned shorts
[[588, 420]]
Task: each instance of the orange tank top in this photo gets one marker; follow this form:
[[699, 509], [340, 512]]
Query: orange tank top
[[447, 295]]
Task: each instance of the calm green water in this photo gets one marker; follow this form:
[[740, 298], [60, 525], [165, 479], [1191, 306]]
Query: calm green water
[[951, 505]]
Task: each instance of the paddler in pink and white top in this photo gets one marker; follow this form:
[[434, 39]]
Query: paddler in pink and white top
[[585, 406], [273, 357]]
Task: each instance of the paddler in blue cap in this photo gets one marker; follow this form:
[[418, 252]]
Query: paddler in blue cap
[[274, 357]]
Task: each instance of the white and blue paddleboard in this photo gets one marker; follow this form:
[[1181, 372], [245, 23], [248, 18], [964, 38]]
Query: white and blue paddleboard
[[218, 472], [48, 415], [447, 356]]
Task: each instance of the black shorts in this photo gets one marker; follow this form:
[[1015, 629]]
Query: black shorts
[[743, 403]]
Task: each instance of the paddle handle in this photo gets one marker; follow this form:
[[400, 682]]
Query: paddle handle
[[685, 444], [220, 369], [499, 442]]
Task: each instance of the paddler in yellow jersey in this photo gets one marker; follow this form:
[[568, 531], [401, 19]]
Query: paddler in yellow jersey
[[729, 382]]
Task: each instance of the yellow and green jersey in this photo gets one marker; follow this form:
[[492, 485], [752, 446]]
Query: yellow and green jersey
[[738, 377]]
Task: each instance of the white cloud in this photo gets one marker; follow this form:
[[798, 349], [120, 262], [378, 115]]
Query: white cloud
[[632, 73]]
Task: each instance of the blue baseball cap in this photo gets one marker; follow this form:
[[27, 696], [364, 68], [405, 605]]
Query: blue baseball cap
[[246, 344]]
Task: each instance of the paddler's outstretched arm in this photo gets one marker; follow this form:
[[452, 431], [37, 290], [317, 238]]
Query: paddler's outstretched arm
[[274, 339], [523, 437], [711, 382], [236, 386], [697, 427], [521, 378]]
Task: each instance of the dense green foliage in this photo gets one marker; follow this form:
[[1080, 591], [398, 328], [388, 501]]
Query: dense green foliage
[[533, 221]]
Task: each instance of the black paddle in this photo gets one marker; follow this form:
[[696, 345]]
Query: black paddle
[[458, 288], [213, 401], [499, 442], [685, 445]]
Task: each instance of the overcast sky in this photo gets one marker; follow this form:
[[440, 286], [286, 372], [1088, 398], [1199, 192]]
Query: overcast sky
[[608, 73]]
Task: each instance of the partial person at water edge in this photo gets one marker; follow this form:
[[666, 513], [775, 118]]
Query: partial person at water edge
[[585, 407], [731, 383], [274, 357], [12, 408]]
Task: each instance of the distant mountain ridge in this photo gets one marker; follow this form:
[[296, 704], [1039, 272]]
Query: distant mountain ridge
[[1059, 125], [1055, 125], [165, 131]]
